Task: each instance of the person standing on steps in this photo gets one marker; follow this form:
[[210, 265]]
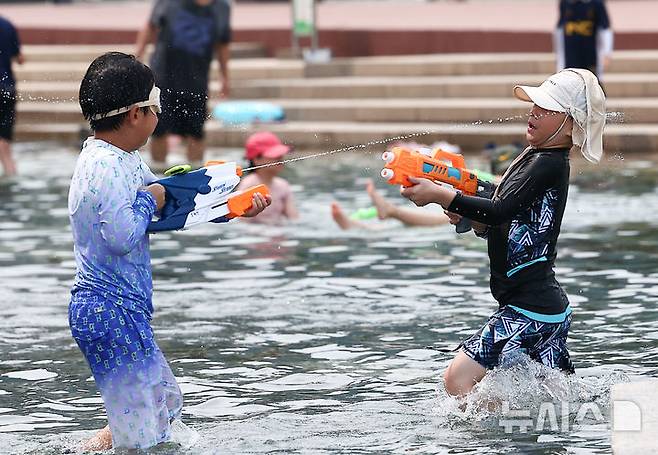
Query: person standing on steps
[[188, 34], [10, 52], [583, 37]]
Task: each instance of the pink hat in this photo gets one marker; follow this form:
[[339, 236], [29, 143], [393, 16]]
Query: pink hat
[[266, 145]]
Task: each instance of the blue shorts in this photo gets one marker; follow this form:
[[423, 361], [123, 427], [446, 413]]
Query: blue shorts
[[139, 390], [508, 332]]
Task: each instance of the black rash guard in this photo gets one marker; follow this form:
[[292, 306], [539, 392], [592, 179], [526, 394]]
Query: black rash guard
[[523, 219]]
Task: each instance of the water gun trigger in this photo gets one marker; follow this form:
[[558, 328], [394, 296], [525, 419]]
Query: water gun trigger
[[240, 203], [178, 169]]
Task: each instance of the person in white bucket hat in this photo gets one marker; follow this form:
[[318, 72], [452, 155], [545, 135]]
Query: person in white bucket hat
[[578, 94], [521, 223]]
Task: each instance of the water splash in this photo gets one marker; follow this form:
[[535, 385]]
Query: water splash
[[381, 142], [526, 389], [615, 117]]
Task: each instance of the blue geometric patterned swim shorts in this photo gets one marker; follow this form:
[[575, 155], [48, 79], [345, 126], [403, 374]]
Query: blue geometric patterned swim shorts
[[508, 332], [139, 390]]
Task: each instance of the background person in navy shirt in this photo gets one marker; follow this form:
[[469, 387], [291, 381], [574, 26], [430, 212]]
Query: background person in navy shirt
[[583, 38], [10, 51], [188, 33]]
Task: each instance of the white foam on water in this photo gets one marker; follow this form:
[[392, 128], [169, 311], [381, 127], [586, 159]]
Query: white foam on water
[[184, 435], [31, 375], [615, 117]]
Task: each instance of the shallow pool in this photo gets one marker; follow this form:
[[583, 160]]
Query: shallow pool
[[308, 339]]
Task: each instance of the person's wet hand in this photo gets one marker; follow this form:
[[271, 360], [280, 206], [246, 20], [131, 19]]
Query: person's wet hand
[[158, 192], [258, 203], [453, 217], [422, 192]]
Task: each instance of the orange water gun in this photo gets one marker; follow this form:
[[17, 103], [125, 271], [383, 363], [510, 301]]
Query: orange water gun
[[438, 166]]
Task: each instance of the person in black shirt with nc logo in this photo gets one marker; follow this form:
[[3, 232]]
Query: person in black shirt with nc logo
[[521, 223], [583, 37]]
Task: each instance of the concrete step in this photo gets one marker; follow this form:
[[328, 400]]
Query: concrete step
[[70, 62], [616, 85], [252, 68], [439, 110], [86, 53], [418, 65], [448, 110], [619, 139], [468, 64]]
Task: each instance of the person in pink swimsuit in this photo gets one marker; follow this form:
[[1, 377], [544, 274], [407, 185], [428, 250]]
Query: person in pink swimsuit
[[266, 148]]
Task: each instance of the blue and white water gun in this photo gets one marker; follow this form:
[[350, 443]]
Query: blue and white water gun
[[202, 196]]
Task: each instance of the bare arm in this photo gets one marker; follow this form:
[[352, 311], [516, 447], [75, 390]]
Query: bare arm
[[158, 192], [144, 37], [222, 51], [416, 217]]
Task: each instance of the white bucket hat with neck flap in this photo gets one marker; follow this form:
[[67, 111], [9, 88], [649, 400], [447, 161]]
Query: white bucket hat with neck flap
[[576, 92]]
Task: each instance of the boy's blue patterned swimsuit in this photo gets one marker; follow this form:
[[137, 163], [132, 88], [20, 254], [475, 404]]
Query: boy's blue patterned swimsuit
[[111, 308]]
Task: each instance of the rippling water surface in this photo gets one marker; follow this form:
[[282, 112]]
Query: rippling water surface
[[305, 338]]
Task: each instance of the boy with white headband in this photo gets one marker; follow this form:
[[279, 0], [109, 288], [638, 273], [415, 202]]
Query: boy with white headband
[[521, 223], [111, 201]]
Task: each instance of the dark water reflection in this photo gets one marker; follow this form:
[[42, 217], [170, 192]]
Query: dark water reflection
[[308, 339]]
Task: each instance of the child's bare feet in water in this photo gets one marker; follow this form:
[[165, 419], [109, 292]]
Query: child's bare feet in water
[[384, 208], [99, 442], [339, 216]]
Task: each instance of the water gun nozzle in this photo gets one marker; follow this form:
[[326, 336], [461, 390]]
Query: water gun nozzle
[[387, 174], [388, 157]]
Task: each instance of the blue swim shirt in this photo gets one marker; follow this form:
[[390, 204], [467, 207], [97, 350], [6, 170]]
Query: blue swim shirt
[[109, 215]]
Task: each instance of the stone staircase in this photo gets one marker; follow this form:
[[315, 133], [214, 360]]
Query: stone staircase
[[461, 98]]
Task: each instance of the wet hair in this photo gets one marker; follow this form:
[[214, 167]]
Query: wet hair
[[112, 81]]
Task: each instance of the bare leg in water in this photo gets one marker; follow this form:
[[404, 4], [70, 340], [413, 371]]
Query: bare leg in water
[[462, 375], [159, 151], [344, 221], [408, 215], [6, 158], [99, 442], [195, 150], [386, 210]]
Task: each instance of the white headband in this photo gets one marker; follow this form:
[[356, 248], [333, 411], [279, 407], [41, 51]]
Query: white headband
[[153, 100]]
